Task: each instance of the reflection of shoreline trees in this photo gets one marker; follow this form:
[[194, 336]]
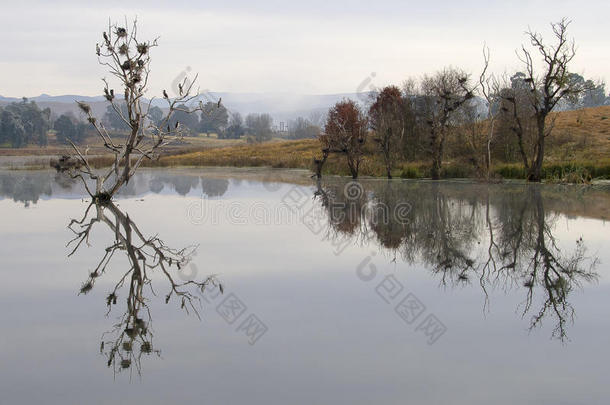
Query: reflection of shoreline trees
[[26, 188], [497, 236], [30, 187], [132, 337]]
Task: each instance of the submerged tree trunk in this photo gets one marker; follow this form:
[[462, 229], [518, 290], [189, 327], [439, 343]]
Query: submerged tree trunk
[[353, 162], [319, 163], [354, 172], [389, 171], [436, 168]]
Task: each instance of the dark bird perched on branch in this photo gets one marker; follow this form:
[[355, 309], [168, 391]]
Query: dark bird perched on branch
[[165, 94], [219, 100]]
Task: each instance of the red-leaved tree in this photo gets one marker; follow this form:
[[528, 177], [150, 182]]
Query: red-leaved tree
[[346, 132]]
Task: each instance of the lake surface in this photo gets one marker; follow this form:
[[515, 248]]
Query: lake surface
[[330, 293]]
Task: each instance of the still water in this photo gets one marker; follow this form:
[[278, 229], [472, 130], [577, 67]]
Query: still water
[[265, 287]]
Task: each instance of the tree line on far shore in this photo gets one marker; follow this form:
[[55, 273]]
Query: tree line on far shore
[[24, 123], [482, 120]]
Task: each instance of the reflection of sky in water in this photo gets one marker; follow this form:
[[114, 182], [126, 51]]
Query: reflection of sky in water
[[331, 338]]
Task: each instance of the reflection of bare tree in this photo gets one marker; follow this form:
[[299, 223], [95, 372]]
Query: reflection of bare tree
[[131, 337], [29, 187], [444, 233], [537, 261], [500, 236]]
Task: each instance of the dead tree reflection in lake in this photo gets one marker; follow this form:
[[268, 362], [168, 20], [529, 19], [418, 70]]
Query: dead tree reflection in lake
[[132, 337], [500, 236], [531, 253]]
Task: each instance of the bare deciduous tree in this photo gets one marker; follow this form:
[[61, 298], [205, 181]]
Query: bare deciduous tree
[[490, 89], [128, 60], [443, 95], [387, 115], [548, 88]]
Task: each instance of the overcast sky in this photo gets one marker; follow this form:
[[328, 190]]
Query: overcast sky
[[306, 47]]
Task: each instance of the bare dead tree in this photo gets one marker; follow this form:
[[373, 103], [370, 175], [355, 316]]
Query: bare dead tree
[[128, 61], [490, 90], [387, 115], [132, 334], [517, 113], [444, 93], [549, 87]]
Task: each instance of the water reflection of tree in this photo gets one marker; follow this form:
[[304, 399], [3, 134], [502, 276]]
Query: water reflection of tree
[[530, 252], [345, 213], [132, 337], [25, 187], [442, 232], [30, 187], [184, 184], [499, 236]]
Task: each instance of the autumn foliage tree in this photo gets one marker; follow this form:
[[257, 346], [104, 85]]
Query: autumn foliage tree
[[346, 132]]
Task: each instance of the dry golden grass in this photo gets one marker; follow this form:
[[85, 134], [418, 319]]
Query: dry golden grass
[[96, 147], [296, 154], [581, 135]]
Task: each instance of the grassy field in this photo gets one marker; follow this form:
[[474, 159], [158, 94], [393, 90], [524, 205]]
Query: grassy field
[[580, 141], [201, 141], [581, 135]]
